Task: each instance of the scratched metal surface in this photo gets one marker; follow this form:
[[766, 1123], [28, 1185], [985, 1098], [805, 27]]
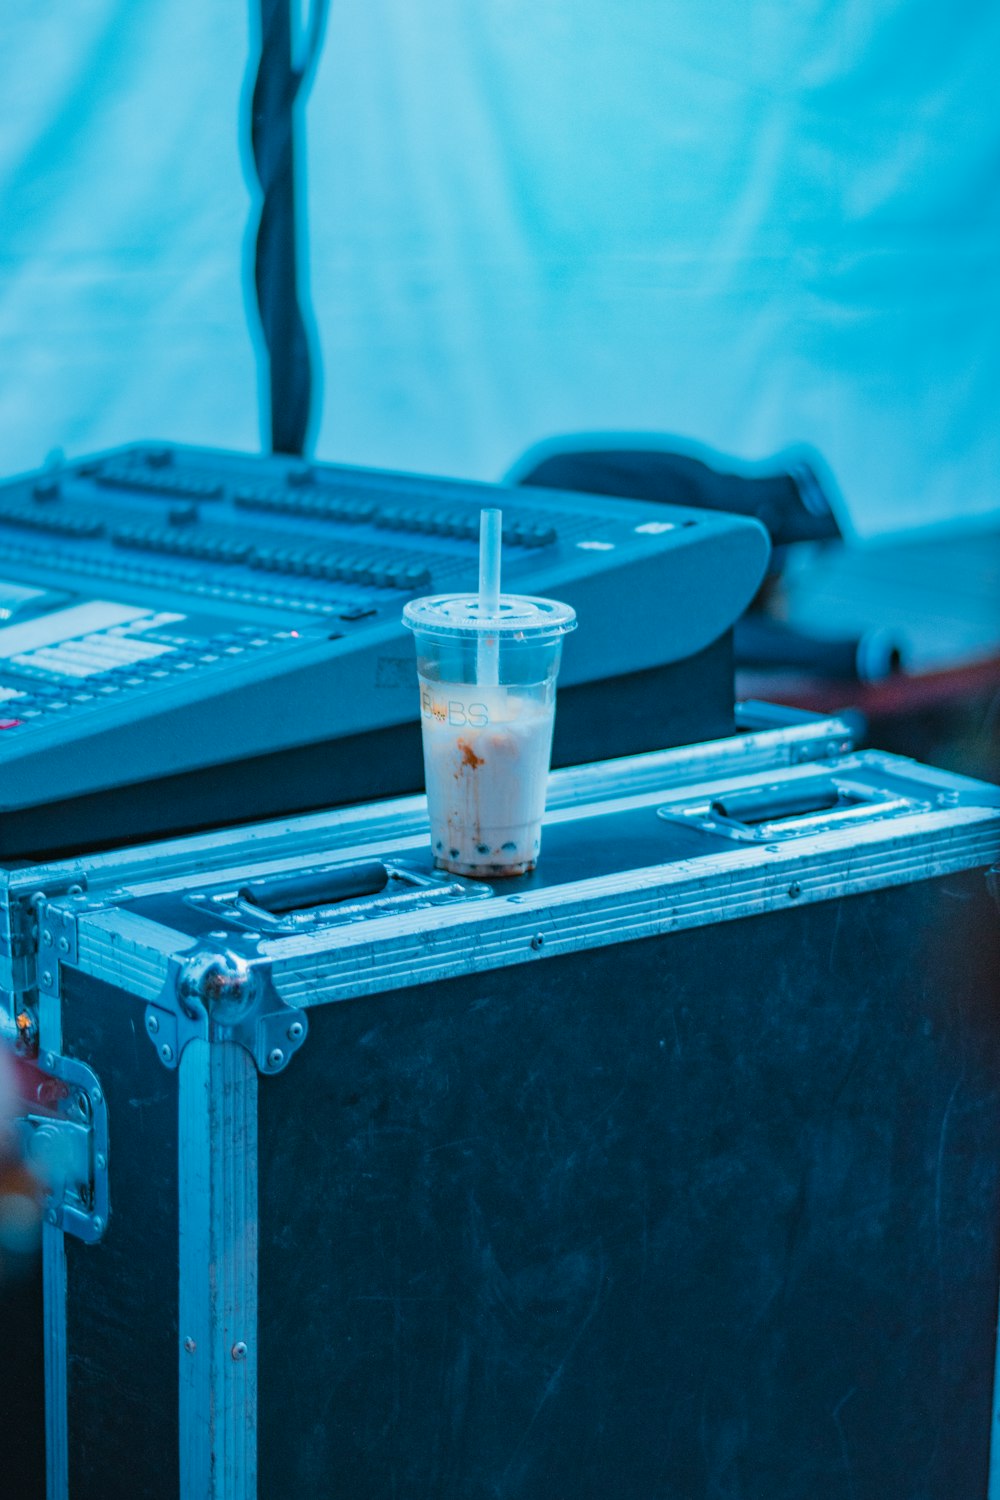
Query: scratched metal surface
[[711, 1214]]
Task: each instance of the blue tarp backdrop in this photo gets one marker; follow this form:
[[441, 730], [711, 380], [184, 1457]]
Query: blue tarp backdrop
[[744, 225]]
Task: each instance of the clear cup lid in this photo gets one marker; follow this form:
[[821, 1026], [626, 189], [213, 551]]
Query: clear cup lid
[[518, 616]]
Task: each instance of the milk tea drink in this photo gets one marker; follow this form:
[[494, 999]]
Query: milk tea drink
[[486, 763], [487, 706]]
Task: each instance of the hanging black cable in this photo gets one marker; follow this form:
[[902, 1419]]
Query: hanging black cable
[[276, 273]]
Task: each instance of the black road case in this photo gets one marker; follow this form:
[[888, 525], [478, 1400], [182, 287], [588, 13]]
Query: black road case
[[767, 735], [669, 1170]]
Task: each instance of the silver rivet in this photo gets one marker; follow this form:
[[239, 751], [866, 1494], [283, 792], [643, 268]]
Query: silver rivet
[[152, 1024], [295, 1031], [538, 941], [794, 890], [96, 1096], [46, 936], [167, 1052], [100, 1161], [52, 1216], [190, 1344], [47, 978], [240, 1350], [275, 1057], [98, 1224], [63, 945]]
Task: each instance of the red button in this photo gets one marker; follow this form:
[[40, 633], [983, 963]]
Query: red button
[[9, 723]]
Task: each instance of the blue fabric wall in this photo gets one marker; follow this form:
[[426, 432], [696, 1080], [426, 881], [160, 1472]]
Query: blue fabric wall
[[123, 208], [744, 225]]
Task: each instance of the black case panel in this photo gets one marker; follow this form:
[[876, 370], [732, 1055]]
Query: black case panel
[[121, 1294], [708, 1215]]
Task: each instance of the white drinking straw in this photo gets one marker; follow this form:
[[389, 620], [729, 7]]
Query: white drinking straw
[[488, 648]]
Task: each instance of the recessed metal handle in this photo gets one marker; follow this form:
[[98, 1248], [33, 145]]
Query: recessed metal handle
[[310, 900], [766, 804], [283, 893], [787, 810]]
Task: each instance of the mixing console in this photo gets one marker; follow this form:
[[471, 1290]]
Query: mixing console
[[189, 637]]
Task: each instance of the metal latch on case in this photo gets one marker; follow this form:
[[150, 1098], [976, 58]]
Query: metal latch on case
[[65, 1141]]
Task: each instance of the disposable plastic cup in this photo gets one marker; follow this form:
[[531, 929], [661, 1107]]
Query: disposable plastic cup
[[487, 707]]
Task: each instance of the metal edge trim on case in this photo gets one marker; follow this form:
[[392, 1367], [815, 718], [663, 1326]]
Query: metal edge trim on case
[[125, 950], [161, 863], [54, 1303], [753, 750], [400, 839], [217, 1294], [365, 948], [428, 945], [720, 870], [634, 904], [54, 1336]]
